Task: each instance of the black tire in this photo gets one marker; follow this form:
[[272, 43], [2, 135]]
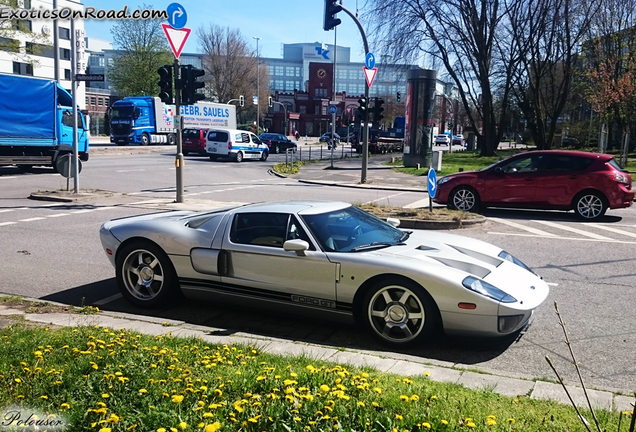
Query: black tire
[[464, 198], [29, 168], [239, 157], [185, 152], [145, 139], [264, 156], [399, 313], [276, 149], [213, 157], [172, 139], [590, 205], [145, 275]]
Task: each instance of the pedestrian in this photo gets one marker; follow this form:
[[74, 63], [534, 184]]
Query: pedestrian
[[297, 135]]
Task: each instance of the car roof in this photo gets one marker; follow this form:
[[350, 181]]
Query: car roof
[[301, 207], [591, 155]]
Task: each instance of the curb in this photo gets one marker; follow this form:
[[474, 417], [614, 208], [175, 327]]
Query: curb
[[67, 196], [363, 186], [443, 224]]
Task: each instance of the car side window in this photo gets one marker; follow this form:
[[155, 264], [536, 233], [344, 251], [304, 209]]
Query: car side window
[[523, 165], [296, 231], [259, 229], [245, 137], [255, 139]]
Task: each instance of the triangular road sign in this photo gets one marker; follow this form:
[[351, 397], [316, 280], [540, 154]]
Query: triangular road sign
[[369, 74], [176, 37]]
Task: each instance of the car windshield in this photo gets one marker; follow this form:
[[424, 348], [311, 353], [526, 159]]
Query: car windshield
[[352, 230]]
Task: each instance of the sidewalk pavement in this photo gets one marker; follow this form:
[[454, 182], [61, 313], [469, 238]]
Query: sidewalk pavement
[[346, 173]]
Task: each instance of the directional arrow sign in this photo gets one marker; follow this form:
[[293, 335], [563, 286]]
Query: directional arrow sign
[[369, 74], [176, 37], [432, 183], [177, 16]]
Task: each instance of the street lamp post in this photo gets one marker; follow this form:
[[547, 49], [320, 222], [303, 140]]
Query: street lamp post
[[258, 85]]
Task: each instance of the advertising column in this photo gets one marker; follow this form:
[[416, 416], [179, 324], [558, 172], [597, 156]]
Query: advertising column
[[420, 101]]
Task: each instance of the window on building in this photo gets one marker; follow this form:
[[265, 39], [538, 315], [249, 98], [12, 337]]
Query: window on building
[[67, 74], [289, 71], [297, 71], [270, 70], [303, 109], [324, 110], [316, 109], [10, 45], [280, 85], [86, 100], [106, 102], [342, 73], [22, 68], [21, 25], [353, 74], [64, 33], [278, 71], [94, 60], [93, 100], [39, 49], [341, 87], [65, 54], [289, 85], [297, 85], [100, 101]]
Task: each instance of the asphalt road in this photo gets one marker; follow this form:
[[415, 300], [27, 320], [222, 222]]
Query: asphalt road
[[52, 251]]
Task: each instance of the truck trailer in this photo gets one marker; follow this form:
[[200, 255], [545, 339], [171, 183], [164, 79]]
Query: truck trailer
[[147, 120], [36, 127]]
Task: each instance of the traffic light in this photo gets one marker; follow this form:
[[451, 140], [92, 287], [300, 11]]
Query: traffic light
[[378, 110], [331, 9], [399, 96], [363, 105], [269, 102], [241, 100], [165, 84], [189, 94]]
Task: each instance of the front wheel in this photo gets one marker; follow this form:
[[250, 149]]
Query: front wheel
[[264, 156], [276, 149], [399, 313], [239, 157], [590, 206], [464, 198], [145, 139], [145, 275]]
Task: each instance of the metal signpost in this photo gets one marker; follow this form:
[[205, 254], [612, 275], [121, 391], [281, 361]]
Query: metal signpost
[[177, 35], [332, 110]]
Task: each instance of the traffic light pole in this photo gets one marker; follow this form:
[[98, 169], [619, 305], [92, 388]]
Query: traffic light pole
[[179, 158], [365, 130]]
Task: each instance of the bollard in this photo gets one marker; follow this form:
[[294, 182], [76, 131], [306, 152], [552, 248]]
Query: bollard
[[417, 166]]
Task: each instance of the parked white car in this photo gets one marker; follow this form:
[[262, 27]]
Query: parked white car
[[442, 140], [235, 144]]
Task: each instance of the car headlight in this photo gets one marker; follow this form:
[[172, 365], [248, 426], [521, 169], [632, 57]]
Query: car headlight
[[508, 257], [443, 180], [488, 290]]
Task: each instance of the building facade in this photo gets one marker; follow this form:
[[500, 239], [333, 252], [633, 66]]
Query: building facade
[[37, 56]]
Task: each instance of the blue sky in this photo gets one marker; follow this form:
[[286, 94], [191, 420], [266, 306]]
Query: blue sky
[[275, 21]]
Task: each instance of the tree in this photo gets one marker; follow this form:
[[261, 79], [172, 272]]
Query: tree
[[461, 35], [143, 48], [11, 31], [546, 37], [231, 69]]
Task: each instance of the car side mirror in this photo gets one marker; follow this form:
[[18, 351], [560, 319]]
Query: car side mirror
[[296, 245], [393, 221]]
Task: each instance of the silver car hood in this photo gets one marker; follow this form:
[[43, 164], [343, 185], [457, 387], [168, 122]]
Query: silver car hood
[[458, 257]]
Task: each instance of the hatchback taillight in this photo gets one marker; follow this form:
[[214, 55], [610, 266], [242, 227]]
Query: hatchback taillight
[[229, 145], [620, 177]]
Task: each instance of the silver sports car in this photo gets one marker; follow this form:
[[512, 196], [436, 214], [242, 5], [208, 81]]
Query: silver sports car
[[326, 257]]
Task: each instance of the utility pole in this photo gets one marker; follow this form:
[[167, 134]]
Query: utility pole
[[258, 85]]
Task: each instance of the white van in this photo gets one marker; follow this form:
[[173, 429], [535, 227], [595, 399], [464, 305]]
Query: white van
[[235, 144]]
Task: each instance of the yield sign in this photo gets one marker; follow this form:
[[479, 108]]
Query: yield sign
[[176, 37], [369, 74]]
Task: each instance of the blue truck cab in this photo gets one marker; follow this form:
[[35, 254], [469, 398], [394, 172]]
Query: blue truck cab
[[37, 122], [141, 120]]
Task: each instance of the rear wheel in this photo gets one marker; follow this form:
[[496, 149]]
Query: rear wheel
[[399, 313], [464, 198], [213, 157], [172, 139], [590, 206], [145, 275], [276, 149], [239, 157]]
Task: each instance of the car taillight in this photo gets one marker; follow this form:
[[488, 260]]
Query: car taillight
[[229, 145], [620, 177]]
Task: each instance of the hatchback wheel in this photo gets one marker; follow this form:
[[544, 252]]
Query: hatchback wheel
[[239, 157], [399, 313], [465, 199], [590, 206], [145, 275]]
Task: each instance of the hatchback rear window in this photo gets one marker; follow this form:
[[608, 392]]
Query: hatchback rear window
[[218, 136], [612, 162], [191, 133]]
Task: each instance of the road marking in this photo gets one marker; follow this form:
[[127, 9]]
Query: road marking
[[7, 223], [523, 227], [574, 230], [58, 215], [420, 203], [108, 300], [31, 219], [10, 177], [6, 211], [552, 284], [53, 205], [131, 170], [385, 198], [608, 240], [105, 208], [82, 211], [614, 230]]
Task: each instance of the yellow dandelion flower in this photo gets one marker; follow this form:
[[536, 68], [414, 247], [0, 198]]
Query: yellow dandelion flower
[[18, 380], [324, 388], [213, 427], [404, 398], [218, 393], [65, 406], [361, 404], [44, 397], [426, 373], [105, 395], [183, 425], [399, 417], [177, 398], [378, 390], [426, 425], [470, 424], [491, 422], [375, 404], [510, 420], [161, 430], [444, 422], [143, 390], [104, 430]]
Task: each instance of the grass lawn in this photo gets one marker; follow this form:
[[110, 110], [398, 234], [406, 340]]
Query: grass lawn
[[105, 380]]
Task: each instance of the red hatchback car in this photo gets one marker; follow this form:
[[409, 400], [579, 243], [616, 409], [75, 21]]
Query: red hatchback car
[[588, 183], [193, 141]]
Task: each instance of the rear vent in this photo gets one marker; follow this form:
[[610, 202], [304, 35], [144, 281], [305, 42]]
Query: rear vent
[[427, 248]]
